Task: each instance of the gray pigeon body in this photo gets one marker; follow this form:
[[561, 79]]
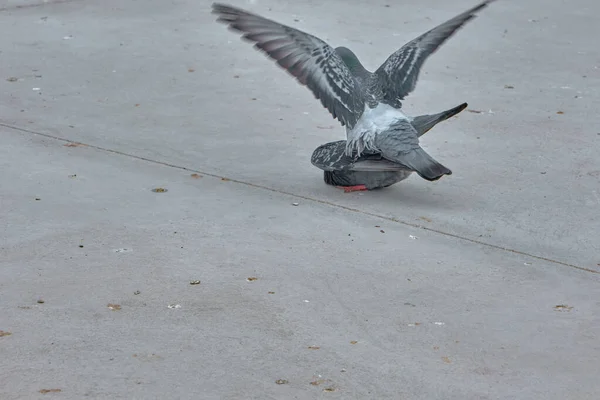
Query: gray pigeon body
[[370, 170], [367, 103]]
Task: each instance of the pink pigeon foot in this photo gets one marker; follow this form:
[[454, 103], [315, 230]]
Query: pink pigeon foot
[[357, 188]]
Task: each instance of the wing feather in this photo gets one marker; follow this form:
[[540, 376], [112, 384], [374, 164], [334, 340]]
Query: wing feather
[[309, 59], [399, 73], [332, 157]]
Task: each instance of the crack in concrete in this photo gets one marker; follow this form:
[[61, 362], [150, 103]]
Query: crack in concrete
[[44, 3], [325, 202]]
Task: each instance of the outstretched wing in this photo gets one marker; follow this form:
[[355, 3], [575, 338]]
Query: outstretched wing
[[399, 73], [312, 61]]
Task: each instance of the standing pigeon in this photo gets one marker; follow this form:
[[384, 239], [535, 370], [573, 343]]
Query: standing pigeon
[[370, 170], [367, 103]]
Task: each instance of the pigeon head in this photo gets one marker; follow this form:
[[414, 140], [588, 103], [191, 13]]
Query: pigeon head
[[351, 60]]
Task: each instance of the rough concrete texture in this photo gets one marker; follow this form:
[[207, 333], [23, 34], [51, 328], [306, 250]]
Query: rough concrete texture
[[483, 285]]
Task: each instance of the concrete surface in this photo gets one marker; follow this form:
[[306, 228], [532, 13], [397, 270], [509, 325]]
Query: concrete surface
[[483, 285]]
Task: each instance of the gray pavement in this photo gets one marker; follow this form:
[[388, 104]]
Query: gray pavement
[[483, 285]]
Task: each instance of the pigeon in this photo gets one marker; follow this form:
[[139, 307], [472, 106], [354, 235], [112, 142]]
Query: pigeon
[[368, 104], [370, 170]]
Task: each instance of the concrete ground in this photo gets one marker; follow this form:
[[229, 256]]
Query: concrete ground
[[483, 285]]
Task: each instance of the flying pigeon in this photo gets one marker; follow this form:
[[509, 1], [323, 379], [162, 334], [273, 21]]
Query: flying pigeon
[[367, 103], [370, 170]]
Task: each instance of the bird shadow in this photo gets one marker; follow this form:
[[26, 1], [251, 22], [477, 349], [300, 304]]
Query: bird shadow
[[409, 194]]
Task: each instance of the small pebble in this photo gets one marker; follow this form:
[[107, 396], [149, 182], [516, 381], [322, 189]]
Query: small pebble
[[137, 292], [296, 204], [122, 250], [563, 307], [194, 282], [281, 381], [41, 301]]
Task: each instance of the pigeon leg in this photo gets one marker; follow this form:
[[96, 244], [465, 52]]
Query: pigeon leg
[[357, 188]]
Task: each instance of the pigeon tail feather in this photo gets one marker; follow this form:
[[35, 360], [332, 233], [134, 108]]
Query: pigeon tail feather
[[424, 123], [423, 164]]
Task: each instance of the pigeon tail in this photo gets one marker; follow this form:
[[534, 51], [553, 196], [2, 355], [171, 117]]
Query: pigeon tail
[[423, 164], [424, 123]]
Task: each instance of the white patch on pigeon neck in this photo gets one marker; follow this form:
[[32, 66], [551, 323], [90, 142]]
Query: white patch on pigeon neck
[[372, 122]]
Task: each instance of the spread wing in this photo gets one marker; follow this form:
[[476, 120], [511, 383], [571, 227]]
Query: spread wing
[[313, 62], [400, 72]]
